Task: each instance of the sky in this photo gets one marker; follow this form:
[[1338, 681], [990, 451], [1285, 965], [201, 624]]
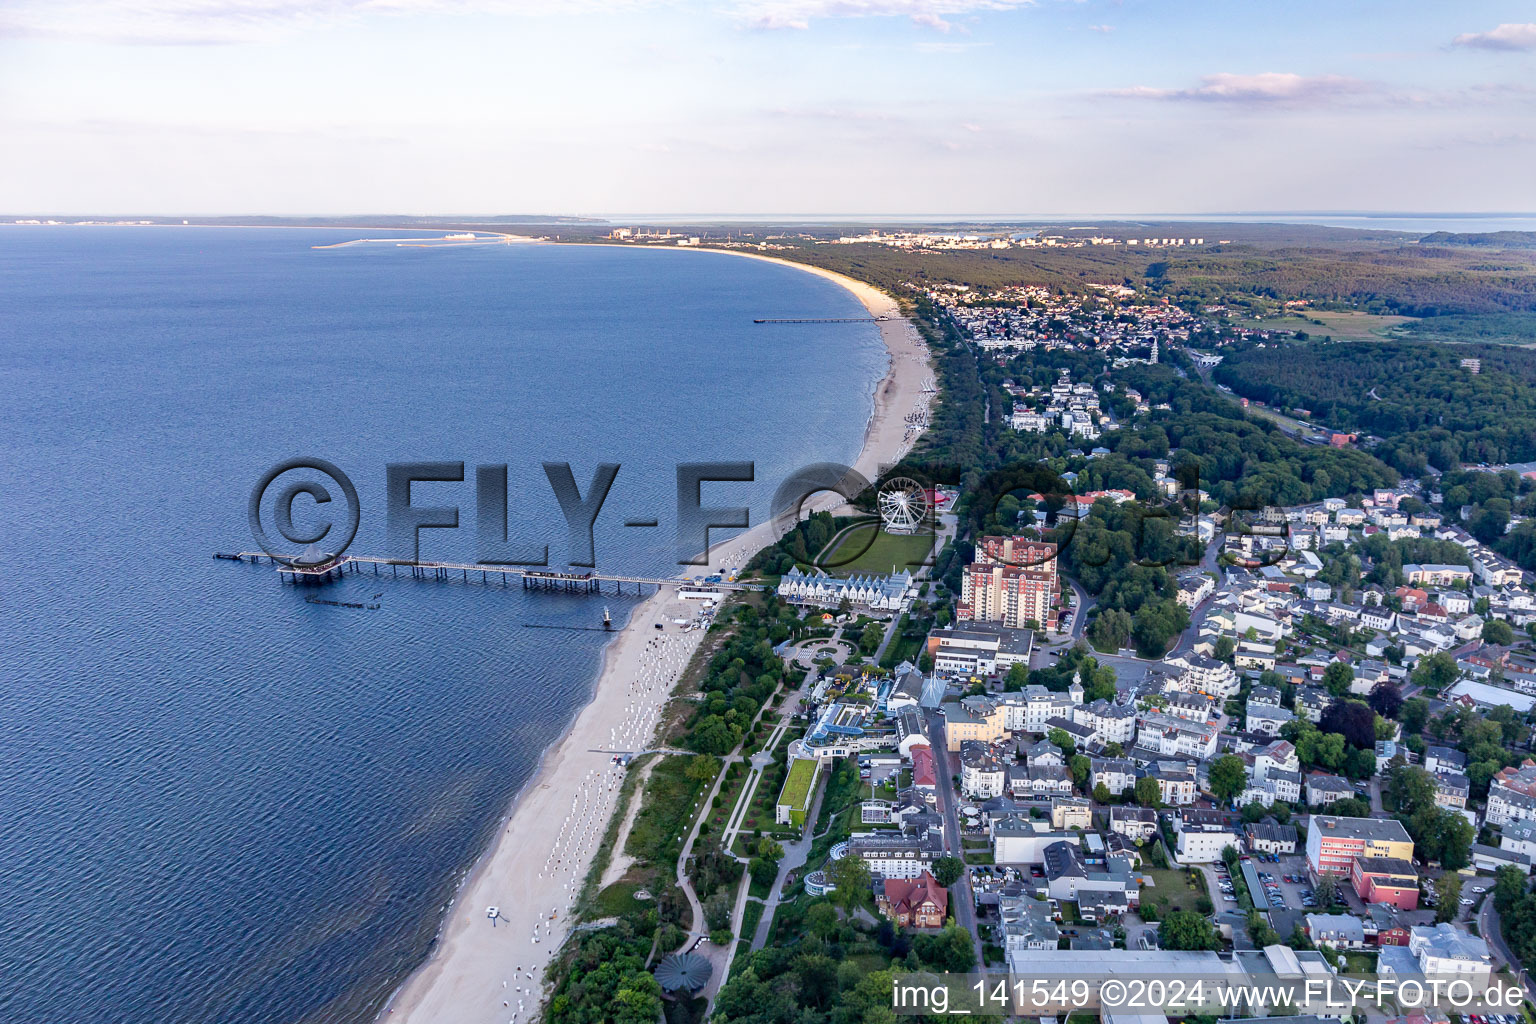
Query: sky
[[765, 107]]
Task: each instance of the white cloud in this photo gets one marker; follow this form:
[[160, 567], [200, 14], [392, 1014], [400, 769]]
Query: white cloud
[[1508, 36], [1106, 29], [1270, 87]]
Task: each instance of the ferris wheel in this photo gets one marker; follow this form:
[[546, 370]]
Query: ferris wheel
[[904, 505]]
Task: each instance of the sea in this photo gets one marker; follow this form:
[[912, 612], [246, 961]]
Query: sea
[[222, 800]]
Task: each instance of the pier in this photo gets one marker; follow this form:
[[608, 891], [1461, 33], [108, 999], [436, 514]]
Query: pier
[[590, 582], [821, 320]]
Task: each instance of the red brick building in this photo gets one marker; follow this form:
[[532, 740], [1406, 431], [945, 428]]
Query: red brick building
[[1012, 582], [919, 902]]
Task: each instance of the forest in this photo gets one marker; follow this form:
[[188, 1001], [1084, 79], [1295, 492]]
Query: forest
[[1428, 410]]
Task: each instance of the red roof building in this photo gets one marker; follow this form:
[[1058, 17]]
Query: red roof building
[[923, 774], [919, 902]]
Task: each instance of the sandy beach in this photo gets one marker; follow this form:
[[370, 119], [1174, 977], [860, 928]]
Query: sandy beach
[[490, 971]]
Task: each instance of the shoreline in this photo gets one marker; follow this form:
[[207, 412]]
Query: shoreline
[[479, 970]]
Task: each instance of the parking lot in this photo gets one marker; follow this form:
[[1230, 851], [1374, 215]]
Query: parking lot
[[1284, 883]]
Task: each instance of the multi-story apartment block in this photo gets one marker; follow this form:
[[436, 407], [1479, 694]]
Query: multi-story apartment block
[[1334, 844], [1202, 835], [1512, 795], [1137, 824], [1111, 723], [1030, 709], [1160, 735], [1177, 785], [1116, 774], [1201, 674], [1013, 581], [892, 856], [981, 772]]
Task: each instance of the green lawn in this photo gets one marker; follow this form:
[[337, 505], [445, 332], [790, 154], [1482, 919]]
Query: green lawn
[[618, 900], [1170, 890], [865, 549], [1341, 325]]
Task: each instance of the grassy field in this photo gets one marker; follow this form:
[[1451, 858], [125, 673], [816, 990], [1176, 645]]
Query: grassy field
[[864, 549], [1341, 326], [1170, 891]]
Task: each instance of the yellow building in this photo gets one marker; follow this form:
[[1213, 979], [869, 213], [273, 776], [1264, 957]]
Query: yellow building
[[975, 718]]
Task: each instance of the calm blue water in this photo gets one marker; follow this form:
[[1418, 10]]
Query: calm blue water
[[217, 801]]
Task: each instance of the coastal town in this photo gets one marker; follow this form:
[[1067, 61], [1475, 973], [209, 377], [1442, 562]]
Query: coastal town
[[1305, 749], [768, 512]]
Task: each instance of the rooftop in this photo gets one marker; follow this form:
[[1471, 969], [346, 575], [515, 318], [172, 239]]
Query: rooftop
[[1380, 830]]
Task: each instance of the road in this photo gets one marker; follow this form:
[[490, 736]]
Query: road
[[1488, 924], [960, 897], [1128, 665], [1081, 602], [1209, 562]]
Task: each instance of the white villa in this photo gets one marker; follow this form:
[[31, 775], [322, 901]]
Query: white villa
[[880, 593]]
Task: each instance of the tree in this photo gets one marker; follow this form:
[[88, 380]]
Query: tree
[[1229, 777], [869, 640], [763, 871], [817, 975], [821, 919], [950, 950], [1510, 884], [1098, 681], [1148, 793], [702, 767], [1354, 721], [1386, 699], [1337, 677], [638, 1001], [1497, 631], [851, 877], [1456, 835], [1436, 671], [1017, 678], [1111, 629], [1448, 891], [1414, 713], [1229, 856], [1082, 768], [1061, 738], [1410, 788], [1101, 794], [1156, 624], [717, 910], [1185, 929], [947, 870], [1326, 890], [1225, 647]]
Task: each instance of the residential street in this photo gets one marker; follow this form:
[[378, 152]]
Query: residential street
[[1489, 925], [960, 897]]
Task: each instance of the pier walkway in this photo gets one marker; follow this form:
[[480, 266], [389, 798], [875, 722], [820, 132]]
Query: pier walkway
[[532, 579]]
